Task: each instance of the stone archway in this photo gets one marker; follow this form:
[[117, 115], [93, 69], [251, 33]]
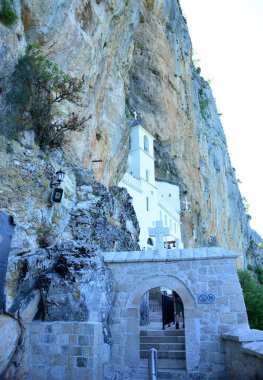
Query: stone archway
[[172, 282], [207, 282]]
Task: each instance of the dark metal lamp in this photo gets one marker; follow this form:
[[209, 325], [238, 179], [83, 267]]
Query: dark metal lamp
[[55, 184]]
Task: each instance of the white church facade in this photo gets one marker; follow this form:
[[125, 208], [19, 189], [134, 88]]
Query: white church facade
[[153, 201]]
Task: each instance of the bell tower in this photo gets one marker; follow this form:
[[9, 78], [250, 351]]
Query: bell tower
[[141, 158]]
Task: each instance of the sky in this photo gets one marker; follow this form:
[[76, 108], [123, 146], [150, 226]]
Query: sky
[[227, 38]]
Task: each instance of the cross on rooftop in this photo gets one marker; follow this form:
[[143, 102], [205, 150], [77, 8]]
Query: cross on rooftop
[[187, 204], [159, 232]]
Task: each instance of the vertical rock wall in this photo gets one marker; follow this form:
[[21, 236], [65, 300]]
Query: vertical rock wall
[[137, 55], [177, 106]]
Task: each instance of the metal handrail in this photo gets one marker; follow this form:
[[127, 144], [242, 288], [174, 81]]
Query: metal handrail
[[152, 364]]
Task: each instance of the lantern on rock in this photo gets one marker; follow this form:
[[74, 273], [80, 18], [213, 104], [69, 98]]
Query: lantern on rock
[[55, 184]]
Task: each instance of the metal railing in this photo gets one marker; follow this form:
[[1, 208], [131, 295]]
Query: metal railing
[[152, 365]]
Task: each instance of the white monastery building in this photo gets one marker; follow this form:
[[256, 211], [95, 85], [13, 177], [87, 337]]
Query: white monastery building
[[153, 200]]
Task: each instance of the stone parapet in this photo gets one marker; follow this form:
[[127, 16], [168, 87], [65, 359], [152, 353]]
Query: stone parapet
[[244, 354], [244, 335], [168, 255]]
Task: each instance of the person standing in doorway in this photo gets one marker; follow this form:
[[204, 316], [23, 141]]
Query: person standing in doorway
[[179, 309]]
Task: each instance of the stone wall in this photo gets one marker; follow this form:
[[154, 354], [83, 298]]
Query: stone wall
[[66, 350], [191, 273], [244, 355]]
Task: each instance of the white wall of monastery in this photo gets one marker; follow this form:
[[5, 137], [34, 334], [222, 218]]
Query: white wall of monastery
[[152, 200]]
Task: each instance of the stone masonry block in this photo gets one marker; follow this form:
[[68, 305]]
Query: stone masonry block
[[83, 340], [73, 340], [54, 349], [39, 359], [81, 373], [229, 289], [56, 373], [78, 328], [62, 339], [36, 338], [82, 362], [230, 318], [76, 351], [65, 350], [37, 327], [48, 338], [59, 360], [40, 349], [48, 328], [39, 372], [88, 351], [67, 328]]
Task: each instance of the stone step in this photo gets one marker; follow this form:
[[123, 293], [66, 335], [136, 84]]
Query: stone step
[[165, 364], [174, 332], [163, 346], [164, 354], [163, 374], [162, 339], [172, 374], [155, 318]]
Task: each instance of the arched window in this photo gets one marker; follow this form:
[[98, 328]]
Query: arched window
[[165, 220], [146, 144], [150, 241], [161, 216]]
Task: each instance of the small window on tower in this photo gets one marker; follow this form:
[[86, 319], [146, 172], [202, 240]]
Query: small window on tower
[[147, 203], [146, 144], [165, 220], [147, 175]]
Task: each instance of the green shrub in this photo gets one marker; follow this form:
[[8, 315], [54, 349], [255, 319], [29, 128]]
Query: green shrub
[[249, 267], [38, 87], [260, 278], [203, 103], [258, 269], [46, 235], [7, 14], [253, 296]]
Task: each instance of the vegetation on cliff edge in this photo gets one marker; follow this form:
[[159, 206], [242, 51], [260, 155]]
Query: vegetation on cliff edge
[[39, 91], [253, 296]]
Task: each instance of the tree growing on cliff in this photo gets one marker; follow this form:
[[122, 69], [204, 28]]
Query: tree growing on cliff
[[39, 88]]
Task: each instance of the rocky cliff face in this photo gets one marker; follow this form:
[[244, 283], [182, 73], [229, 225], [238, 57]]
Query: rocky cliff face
[[134, 55], [138, 56]]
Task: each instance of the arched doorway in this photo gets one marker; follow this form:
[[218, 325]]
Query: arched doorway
[[162, 328], [192, 346]]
